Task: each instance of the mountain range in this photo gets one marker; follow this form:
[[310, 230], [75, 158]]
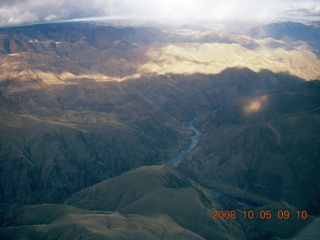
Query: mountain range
[[92, 116]]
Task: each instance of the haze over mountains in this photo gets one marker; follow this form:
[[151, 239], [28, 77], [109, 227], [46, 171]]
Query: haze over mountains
[[92, 114]]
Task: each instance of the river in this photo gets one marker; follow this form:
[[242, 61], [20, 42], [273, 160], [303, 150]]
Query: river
[[183, 154], [194, 141]]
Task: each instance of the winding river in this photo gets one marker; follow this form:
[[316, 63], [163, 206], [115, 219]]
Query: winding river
[[183, 154], [194, 141]]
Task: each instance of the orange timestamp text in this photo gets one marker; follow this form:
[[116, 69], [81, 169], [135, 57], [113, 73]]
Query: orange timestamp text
[[262, 214]]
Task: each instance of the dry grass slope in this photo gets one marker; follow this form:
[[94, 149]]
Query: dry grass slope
[[66, 222], [159, 191]]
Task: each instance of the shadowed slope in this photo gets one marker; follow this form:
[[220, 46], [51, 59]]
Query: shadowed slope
[[66, 222], [57, 139], [78, 136], [159, 191], [267, 145]]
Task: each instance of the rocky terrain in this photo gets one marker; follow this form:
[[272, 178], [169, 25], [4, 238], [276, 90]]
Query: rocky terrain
[[92, 114]]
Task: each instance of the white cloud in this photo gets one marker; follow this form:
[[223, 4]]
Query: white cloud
[[316, 10], [51, 18], [15, 16], [18, 11]]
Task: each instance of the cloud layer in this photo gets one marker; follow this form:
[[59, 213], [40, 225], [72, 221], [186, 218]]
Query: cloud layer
[[16, 12]]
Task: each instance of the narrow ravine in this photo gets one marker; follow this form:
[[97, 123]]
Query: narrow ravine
[[194, 141], [214, 192]]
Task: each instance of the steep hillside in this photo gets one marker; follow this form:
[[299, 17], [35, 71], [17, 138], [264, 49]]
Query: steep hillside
[[159, 191], [265, 145], [61, 53], [50, 151], [295, 32], [154, 202]]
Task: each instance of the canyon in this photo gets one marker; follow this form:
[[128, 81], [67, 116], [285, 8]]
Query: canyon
[[94, 116]]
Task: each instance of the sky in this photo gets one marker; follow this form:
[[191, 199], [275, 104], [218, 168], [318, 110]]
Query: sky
[[20, 12]]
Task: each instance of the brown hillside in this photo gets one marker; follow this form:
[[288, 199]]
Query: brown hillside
[[266, 145]]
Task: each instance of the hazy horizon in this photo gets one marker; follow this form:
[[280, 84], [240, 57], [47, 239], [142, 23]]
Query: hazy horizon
[[18, 12]]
